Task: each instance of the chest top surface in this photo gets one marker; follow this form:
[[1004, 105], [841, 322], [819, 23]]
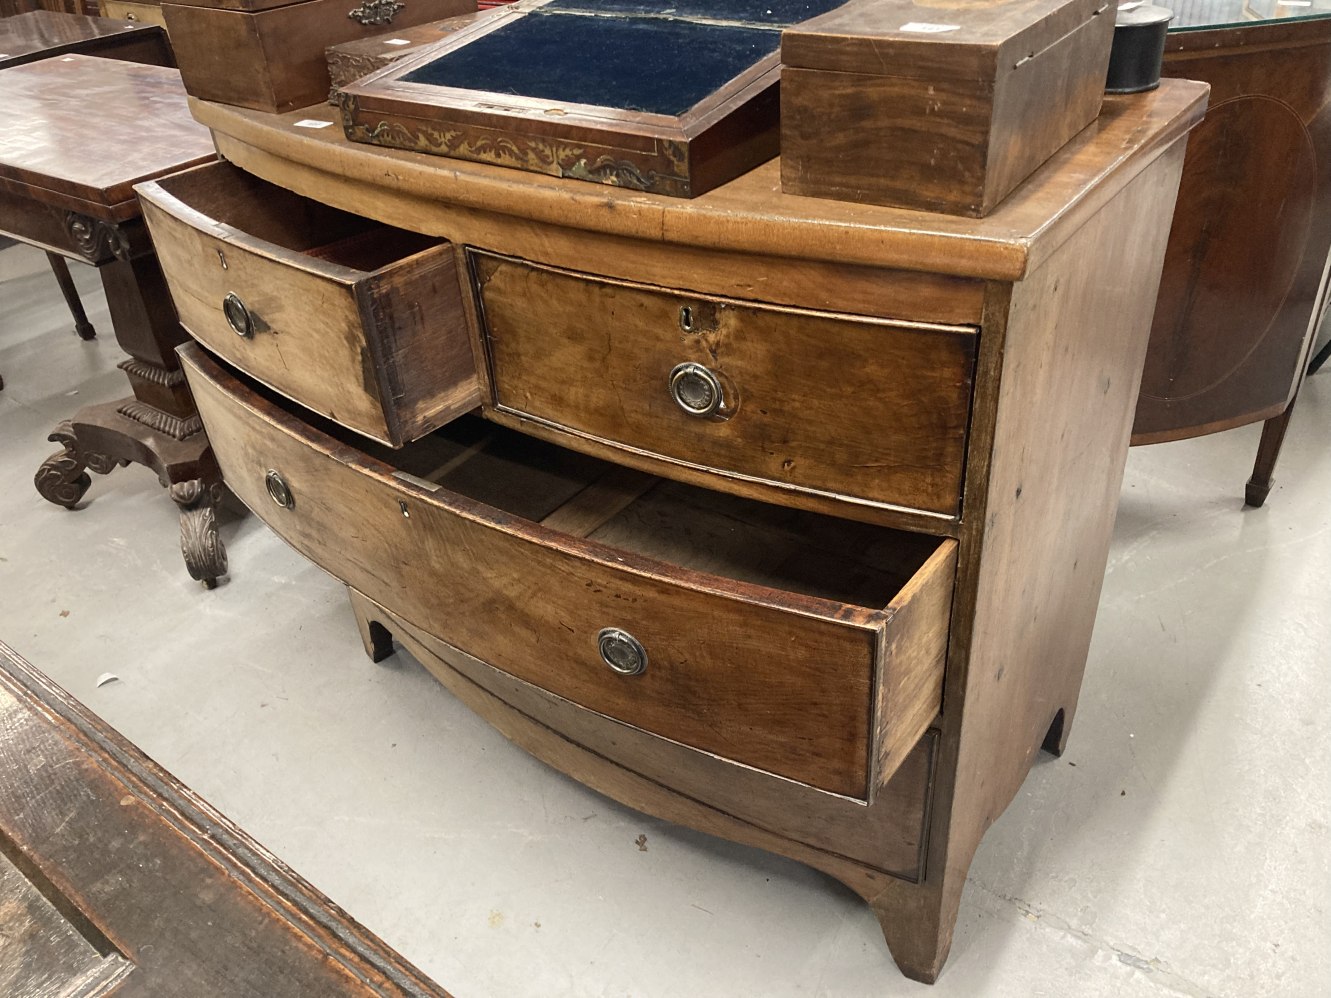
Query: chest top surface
[[81, 131], [750, 214]]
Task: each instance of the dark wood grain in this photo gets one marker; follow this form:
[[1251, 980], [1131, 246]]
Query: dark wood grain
[[949, 122], [174, 897], [41, 34], [144, 130], [807, 393], [272, 58], [1239, 300]]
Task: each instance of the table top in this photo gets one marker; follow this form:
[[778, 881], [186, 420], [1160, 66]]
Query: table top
[[79, 132], [1200, 15], [46, 32]]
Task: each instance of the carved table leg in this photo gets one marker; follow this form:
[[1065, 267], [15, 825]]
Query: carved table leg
[[1268, 452], [81, 324], [205, 557], [158, 427], [62, 479]]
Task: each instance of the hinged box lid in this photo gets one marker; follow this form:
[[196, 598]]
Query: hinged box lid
[[934, 39]]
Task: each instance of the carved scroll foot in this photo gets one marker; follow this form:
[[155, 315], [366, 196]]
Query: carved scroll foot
[[62, 478], [205, 557]]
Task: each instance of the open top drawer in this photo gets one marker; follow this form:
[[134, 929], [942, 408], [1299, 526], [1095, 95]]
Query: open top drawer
[[361, 322], [801, 645]]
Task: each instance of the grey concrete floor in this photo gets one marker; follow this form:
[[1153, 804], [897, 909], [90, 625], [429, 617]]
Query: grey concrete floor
[[1180, 847]]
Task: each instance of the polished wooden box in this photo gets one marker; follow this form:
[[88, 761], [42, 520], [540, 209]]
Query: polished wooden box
[[670, 100], [938, 106], [270, 54]]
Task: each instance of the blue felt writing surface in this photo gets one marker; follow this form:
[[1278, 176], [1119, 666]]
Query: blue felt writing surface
[[656, 64]]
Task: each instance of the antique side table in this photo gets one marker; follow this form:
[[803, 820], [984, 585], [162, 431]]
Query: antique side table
[[41, 34], [115, 879], [79, 133], [1242, 289]]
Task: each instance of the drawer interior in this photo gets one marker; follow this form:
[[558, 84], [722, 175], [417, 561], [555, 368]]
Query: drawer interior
[[696, 529], [234, 199], [798, 643]]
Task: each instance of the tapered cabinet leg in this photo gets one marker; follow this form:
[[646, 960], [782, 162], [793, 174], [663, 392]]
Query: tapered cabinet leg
[[377, 638], [917, 924], [1268, 452], [1056, 738], [61, 270]]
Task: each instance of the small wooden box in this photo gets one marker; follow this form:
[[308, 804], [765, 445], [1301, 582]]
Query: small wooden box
[[349, 61], [935, 105], [269, 54]]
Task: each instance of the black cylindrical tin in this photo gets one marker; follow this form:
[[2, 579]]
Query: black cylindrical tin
[[1139, 48]]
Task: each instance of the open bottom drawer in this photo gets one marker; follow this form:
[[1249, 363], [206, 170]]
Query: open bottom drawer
[[801, 645]]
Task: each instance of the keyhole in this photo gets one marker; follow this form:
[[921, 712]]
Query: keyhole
[[221, 258], [686, 318]]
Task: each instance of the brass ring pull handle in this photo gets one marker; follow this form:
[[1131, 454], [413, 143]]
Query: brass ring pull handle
[[621, 651], [238, 316], [278, 490], [697, 390]]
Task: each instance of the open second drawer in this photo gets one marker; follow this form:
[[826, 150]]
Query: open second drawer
[[358, 321], [801, 645]]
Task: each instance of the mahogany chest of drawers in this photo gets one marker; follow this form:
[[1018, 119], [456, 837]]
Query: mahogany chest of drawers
[[781, 518]]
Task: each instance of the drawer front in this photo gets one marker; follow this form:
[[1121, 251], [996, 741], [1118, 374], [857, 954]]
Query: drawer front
[[357, 321], [871, 410], [141, 13], [778, 681]]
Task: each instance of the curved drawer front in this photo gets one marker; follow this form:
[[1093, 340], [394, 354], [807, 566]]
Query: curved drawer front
[[825, 692], [868, 409], [358, 321]]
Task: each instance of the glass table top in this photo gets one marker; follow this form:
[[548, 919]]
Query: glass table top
[[1197, 15]]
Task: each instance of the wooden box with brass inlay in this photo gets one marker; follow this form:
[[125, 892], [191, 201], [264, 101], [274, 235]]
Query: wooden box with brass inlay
[[349, 61], [940, 105], [269, 54], [360, 321], [801, 399], [589, 565]]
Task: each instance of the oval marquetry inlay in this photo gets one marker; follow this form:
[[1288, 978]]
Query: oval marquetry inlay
[[1232, 259]]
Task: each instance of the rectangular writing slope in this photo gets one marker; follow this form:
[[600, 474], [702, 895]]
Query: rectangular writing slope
[[938, 105], [669, 98]]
